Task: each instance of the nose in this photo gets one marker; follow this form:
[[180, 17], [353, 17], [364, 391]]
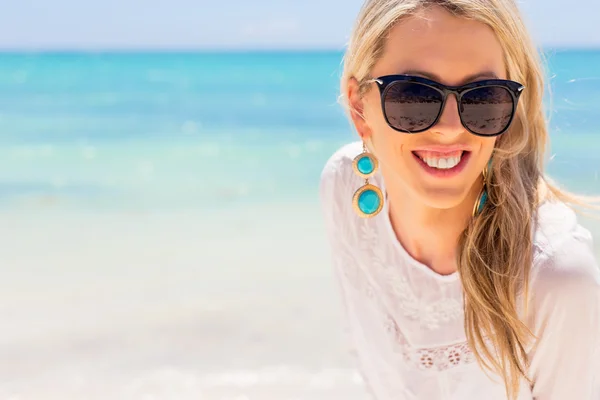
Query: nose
[[449, 122]]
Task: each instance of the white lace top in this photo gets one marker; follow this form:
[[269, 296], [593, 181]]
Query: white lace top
[[406, 322]]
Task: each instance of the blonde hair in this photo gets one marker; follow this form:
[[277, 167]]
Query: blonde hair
[[496, 249]]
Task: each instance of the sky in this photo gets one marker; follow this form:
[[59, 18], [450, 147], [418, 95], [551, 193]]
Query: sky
[[239, 24]]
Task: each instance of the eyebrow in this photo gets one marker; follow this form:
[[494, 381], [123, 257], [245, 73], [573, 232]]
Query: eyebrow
[[470, 78]]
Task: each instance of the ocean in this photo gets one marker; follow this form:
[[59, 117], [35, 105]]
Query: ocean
[[173, 131], [160, 223]]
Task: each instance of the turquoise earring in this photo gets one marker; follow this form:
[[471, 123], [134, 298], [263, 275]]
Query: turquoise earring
[[368, 199], [483, 196]]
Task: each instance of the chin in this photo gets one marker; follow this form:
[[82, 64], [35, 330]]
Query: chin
[[443, 199]]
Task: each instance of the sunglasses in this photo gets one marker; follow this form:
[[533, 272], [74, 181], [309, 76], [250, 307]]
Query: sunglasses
[[412, 104]]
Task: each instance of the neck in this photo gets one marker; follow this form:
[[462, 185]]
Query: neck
[[430, 235]]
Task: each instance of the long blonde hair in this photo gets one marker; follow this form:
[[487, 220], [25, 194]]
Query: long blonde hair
[[496, 249]]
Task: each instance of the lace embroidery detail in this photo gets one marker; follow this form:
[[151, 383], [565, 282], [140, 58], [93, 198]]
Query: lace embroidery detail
[[432, 315], [426, 359], [437, 358], [354, 276]]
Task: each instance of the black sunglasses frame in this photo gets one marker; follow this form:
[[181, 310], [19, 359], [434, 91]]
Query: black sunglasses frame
[[386, 82]]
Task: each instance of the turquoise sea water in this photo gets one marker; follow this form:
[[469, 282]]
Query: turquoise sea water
[[198, 130]]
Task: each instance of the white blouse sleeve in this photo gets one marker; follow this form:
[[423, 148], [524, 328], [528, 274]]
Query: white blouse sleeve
[[335, 192], [331, 184], [565, 317]]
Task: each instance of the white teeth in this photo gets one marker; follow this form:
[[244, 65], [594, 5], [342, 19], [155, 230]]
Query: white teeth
[[442, 163]]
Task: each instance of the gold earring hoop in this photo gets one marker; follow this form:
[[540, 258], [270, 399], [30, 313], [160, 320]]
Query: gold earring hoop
[[368, 199]]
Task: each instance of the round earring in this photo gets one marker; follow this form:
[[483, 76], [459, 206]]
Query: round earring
[[368, 199], [483, 196]]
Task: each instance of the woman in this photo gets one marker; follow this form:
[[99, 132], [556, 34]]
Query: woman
[[464, 274]]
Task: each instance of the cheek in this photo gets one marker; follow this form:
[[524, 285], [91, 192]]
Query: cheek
[[391, 149], [387, 141], [488, 146], [485, 152]]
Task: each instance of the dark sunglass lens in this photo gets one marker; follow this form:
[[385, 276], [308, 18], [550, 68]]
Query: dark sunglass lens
[[411, 106], [487, 110]]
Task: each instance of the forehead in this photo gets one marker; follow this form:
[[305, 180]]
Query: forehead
[[443, 46]]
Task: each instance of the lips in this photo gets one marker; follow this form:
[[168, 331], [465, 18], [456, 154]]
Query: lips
[[444, 149], [443, 167], [424, 154]]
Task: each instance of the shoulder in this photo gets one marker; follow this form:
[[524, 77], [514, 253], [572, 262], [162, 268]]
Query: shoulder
[[565, 265], [565, 299], [339, 166], [338, 180]]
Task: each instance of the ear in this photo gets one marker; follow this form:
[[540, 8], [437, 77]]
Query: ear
[[357, 109]]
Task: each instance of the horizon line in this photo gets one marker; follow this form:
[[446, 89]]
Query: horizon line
[[232, 50]]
